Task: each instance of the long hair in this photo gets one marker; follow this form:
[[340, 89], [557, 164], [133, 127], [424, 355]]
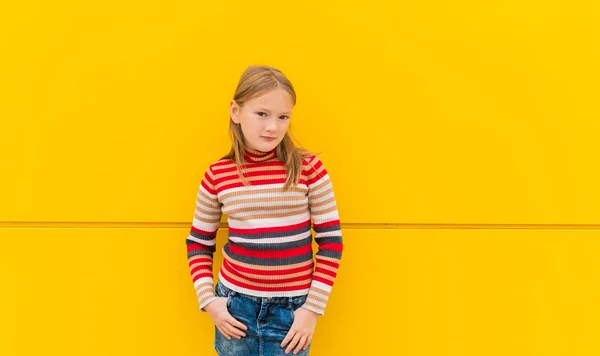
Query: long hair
[[255, 81]]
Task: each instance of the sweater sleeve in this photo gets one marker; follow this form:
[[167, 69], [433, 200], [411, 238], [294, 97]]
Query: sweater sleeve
[[328, 235], [201, 241]]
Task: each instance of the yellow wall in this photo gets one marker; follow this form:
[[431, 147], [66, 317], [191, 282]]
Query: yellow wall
[[462, 139]]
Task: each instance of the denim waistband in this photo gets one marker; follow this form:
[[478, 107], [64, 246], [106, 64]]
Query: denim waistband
[[264, 300]]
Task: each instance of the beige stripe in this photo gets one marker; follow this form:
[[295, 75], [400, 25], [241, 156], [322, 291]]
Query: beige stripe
[[215, 220], [318, 307], [205, 298], [269, 199], [317, 172], [196, 257], [264, 209], [327, 267], [327, 191], [319, 290], [315, 297], [251, 179], [276, 285], [307, 274], [205, 284], [231, 164], [211, 175], [321, 212], [324, 276], [203, 263], [257, 177], [322, 203], [253, 168], [264, 268], [274, 191], [201, 270], [266, 200], [198, 272], [267, 216], [312, 161], [210, 206], [211, 213], [206, 196], [320, 185]]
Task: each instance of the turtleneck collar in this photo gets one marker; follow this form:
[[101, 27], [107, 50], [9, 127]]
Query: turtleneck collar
[[256, 156]]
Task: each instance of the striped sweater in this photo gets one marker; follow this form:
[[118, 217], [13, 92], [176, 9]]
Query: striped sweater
[[269, 248]]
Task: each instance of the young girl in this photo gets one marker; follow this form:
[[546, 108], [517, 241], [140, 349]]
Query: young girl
[[268, 297]]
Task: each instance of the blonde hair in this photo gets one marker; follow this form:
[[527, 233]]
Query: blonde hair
[[255, 81]]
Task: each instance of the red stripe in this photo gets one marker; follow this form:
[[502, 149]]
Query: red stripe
[[332, 247], [312, 160], [319, 173], [316, 178], [307, 159], [208, 189], [328, 263], [220, 163], [322, 280], [261, 154], [254, 165], [200, 259], [262, 230], [270, 254], [209, 179], [198, 247], [263, 289], [202, 267], [325, 271], [231, 266], [257, 183], [235, 177], [202, 275], [268, 280]]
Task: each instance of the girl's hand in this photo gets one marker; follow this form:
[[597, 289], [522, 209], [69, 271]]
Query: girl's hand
[[227, 324], [301, 331]]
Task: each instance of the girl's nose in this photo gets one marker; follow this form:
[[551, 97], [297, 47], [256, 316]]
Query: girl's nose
[[271, 125]]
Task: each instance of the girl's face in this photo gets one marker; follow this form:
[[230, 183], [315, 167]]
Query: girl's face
[[264, 119]]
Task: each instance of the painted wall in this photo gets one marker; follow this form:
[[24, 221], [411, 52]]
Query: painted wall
[[462, 139]]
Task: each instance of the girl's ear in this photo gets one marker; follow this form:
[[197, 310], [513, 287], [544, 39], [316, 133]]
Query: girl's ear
[[234, 110]]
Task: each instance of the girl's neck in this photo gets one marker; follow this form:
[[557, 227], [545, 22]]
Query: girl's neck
[[256, 156]]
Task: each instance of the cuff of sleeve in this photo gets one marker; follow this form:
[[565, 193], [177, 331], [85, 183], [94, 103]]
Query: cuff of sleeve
[[318, 296], [316, 310], [206, 302]]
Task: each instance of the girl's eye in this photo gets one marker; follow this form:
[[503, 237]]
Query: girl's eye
[[283, 117]]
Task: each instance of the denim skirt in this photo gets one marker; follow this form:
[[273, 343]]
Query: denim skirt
[[268, 321]]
